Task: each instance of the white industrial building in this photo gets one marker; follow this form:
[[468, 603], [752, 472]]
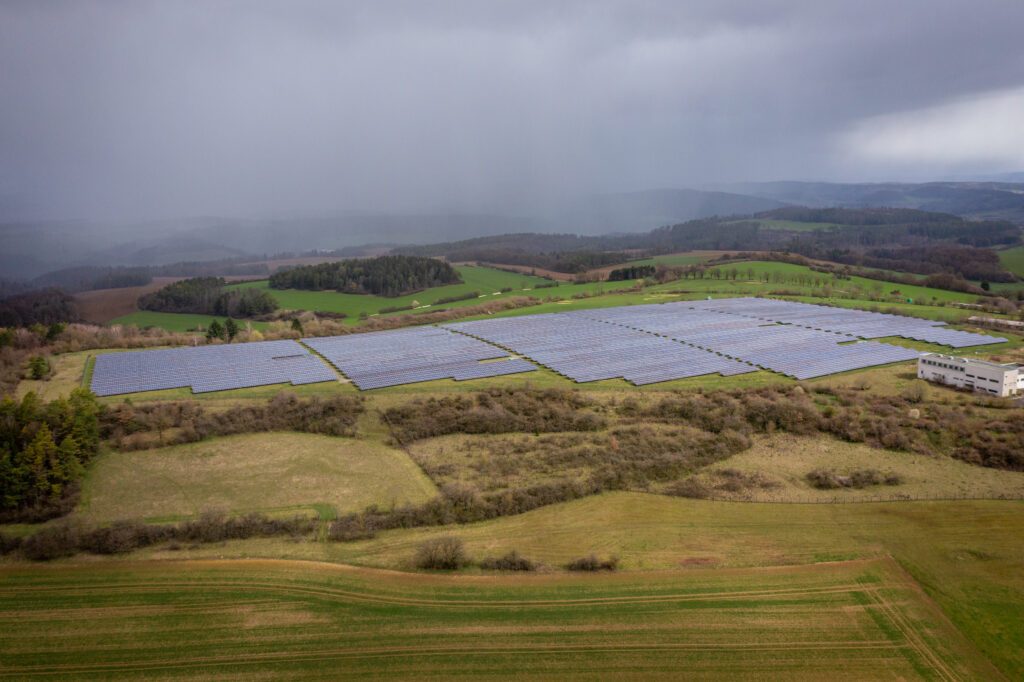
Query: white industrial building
[[972, 374]]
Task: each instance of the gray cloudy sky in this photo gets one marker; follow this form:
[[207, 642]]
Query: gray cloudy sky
[[135, 108]]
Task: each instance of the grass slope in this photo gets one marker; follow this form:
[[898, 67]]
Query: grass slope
[[268, 472], [201, 620], [786, 459], [967, 554], [1013, 260]]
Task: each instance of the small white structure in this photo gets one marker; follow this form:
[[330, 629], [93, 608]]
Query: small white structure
[[975, 375]]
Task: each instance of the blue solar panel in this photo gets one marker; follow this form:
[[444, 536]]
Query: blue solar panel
[[788, 349], [584, 349], [859, 323], [208, 368], [643, 344], [407, 356]]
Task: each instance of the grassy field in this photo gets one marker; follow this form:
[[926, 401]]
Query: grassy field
[[175, 322], [265, 472], [854, 292], [487, 281], [1013, 260], [749, 281], [785, 460], [240, 620], [966, 554], [68, 370]]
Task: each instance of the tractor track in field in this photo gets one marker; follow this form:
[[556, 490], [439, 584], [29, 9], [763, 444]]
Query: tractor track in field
[[347, 595], [421, 651]]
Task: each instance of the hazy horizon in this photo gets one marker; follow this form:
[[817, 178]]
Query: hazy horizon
[[148, 110]]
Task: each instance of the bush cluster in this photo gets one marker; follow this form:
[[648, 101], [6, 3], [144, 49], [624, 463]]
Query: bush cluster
[[512, 561], [133, 427], [592, 564], [495, 410], [124, 536], [441, 554], [828, 479]]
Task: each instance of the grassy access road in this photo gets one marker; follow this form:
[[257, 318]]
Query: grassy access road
[[213, 619], [284, 473]]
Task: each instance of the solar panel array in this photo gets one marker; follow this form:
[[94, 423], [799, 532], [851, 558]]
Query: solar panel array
[[585, 350], [408, 356], [208, 368], [861, 323], [795, 351]]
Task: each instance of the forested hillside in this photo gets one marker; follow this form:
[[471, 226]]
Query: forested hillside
[[46, 306], [891, 238], [383, 276]]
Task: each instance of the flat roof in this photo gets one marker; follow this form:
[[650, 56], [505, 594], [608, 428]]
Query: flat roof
[[968, 361]]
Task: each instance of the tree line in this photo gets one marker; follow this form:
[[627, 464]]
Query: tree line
[[45, 306], [209, 296], [634, 272], [382, 276]]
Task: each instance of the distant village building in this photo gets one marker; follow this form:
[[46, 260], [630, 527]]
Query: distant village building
[[969, 373]]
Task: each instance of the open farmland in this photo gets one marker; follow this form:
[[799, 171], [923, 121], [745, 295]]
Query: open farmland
[[175, 322], [487, 282], [755, 278], [645, 344], [966, 554], [103, 305], [1013, 260], [279, 473], [291, 619]]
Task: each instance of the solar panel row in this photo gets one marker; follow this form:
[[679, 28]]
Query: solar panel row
[[208, 368], [407, 356], [860, 323], [642, 344], [796, 351], [588, 350]]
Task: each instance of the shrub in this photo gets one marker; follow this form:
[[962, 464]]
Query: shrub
[[893, 479], [445, 553], [510, 562], [915, 393], [51, 543], [351, 527], [38, 367], [9, 543], [592, 564], [689, 487], [823, 479], [865, 478]]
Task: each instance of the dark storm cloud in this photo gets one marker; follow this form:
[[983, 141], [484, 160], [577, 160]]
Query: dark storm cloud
[[116, 109]]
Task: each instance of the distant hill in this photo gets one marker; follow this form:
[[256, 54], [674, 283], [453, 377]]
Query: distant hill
[[977, 200], [910, 240], [643, 211]]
